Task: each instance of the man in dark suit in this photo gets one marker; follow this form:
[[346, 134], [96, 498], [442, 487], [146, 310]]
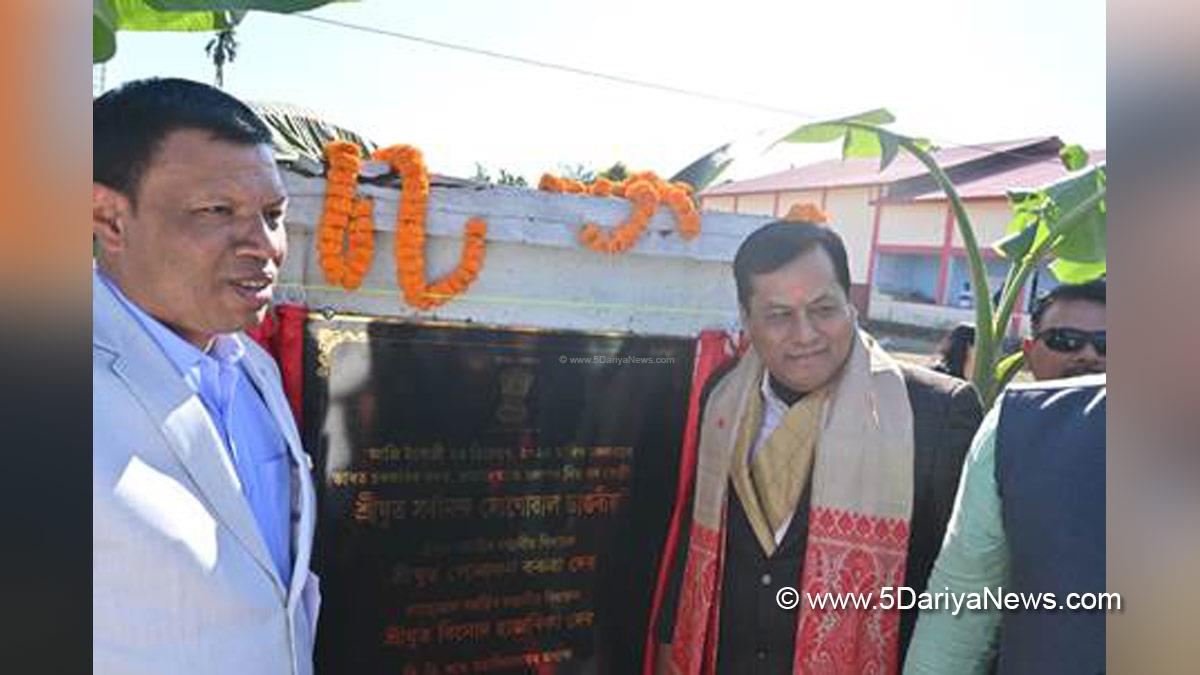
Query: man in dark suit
[[823, 465]]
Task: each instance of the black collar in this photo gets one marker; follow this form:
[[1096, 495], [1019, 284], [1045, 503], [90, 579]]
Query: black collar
[[788, 396]]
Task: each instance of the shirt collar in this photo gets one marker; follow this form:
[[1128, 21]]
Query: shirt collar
[[769, 396], [226, 349]]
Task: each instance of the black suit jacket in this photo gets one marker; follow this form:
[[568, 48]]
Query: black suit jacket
[[758, 637]]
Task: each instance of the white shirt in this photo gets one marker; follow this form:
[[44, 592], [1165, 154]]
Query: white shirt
[[774, 409]]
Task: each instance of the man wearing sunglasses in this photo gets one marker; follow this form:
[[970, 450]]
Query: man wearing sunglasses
[[1069, 336]]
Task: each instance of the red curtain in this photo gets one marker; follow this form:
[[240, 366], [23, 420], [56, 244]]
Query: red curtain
[[282, 335], [713, 350]]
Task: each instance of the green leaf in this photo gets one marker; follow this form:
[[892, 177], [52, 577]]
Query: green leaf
[[139, 15], [104, 28], [1027, 229], [1071, 272], [814, 133], [890, 146], [832, 130], [1016, 245], [1074, 157], [876, 117], [109, 16], [922, 143], [281, 6], [1087, 240], [1007, 368], [861, 143]]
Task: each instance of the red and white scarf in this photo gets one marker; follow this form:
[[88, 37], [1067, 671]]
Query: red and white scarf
[[861, 502]]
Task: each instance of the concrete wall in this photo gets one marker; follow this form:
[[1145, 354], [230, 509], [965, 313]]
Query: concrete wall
[[723, 204], [989, 219], [761, 205], [850, 210], [913, 224], [884, 308], [852, 214], [536, 274]]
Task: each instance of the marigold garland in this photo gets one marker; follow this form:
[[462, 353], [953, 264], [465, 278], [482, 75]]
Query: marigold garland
[[646, 190], [410, 235], [344, 260], [347, 219], [644, 197], [806, 212]]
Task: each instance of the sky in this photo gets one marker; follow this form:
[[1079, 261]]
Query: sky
[[956, 71]]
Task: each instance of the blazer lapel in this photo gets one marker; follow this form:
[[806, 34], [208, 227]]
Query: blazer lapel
[[178, 412], [303, 499]]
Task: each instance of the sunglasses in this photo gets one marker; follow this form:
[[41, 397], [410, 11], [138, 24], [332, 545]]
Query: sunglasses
[[1074, 339]]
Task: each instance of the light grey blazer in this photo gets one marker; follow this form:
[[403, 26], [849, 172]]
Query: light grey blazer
[[181, 578]]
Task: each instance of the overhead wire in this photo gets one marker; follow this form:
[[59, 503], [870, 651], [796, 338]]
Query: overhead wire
[[630, 81]]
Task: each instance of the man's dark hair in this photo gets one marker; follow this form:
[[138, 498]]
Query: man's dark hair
[[1092, 291], [778, 243], [130, 122]]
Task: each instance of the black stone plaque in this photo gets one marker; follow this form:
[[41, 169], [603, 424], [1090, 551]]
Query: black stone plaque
[[489, 500]]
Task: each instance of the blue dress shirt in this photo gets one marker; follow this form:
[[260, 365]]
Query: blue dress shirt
[[255, 444]]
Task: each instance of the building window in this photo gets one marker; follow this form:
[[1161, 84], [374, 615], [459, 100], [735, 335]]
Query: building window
[[958, 280], [909, 277]]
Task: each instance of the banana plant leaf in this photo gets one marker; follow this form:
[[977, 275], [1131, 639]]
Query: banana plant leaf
[[856, 141], [1081, 251], [704, 171], [110, 16]]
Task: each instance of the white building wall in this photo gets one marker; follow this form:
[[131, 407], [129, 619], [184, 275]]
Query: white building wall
[[852, 214], [759, 205], [912, 224], [719, 203]]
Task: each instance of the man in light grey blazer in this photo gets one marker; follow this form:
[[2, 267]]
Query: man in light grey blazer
[[202, 499]]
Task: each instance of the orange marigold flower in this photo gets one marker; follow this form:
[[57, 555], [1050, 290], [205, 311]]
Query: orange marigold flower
[[340, 147], [363, 206], [347, 220], [641, 191], [550, 183], [476, 227], [341, 205], [589, 233], [339, 190], [806, 212], [342, 175]]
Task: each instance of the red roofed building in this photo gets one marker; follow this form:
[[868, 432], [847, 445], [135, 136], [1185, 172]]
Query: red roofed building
[[907, 263]]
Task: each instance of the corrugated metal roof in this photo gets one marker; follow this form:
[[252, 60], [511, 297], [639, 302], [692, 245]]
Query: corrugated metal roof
[[1029, 176], [865, 171]]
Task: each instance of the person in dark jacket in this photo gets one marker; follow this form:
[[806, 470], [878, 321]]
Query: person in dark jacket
[[822, 464]]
